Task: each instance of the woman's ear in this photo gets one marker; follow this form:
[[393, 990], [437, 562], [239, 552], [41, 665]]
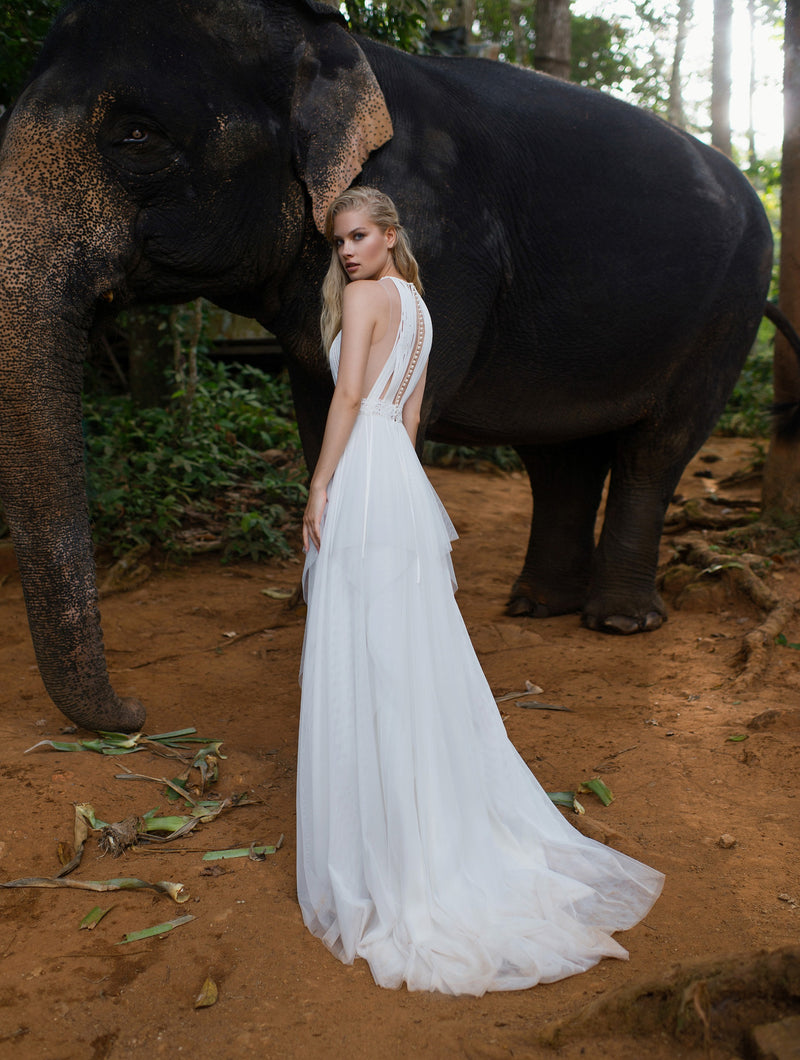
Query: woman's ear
[[391, 237]]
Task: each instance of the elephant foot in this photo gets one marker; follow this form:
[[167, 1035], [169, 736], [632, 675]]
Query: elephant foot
[[527, 602], [624, 625]]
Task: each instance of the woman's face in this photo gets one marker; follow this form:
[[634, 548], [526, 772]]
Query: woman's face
[[364, 249]]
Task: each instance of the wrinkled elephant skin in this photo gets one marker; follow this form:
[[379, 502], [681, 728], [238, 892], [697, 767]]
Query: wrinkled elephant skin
[[595, 276]]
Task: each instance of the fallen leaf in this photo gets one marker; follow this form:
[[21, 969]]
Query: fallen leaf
[[208, 994], [597, 787], [238, 852], [93, 917], [158, 929], [174, 890]]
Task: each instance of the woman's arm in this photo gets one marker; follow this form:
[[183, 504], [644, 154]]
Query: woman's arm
[[412, 407], [363, 300]]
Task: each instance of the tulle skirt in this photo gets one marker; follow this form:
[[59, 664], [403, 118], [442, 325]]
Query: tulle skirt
[[424, 843]]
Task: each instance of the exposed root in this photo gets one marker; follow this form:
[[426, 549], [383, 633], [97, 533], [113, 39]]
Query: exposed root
[[116, 838], [699, 513], [754, 652], [127, 573], [713, 1001]]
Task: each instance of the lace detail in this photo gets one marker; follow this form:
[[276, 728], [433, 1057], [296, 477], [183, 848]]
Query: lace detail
[[412, 364], [391, 410]]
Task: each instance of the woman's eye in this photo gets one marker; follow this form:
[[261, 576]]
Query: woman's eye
[[358, 235]]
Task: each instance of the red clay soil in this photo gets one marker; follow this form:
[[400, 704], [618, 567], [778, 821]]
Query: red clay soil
[[652, 715]]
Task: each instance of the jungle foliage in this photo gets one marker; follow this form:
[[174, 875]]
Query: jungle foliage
[[23, 27], [225, 474]]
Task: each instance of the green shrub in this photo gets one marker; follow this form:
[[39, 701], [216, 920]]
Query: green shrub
[[228, 475]]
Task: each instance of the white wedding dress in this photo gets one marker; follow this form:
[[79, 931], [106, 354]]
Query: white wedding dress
[[424, 843]]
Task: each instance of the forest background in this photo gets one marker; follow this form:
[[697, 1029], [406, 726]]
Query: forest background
[[187, 454]]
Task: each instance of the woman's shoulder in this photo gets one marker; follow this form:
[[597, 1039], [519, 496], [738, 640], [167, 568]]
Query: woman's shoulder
[[366, 296], [365, 289]]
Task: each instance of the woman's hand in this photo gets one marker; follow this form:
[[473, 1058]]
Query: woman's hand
[[312, 517]]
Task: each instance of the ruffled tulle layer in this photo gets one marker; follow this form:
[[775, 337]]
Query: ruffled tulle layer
[[425, 844]]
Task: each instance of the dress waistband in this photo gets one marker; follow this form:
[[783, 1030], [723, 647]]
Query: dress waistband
[[388, 409]]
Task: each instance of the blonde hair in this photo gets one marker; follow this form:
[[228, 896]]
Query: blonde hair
[[383, 213]]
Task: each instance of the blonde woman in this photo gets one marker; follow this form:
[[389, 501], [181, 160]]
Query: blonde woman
[[424, 843]]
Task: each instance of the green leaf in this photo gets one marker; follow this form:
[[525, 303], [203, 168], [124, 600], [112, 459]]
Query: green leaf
[[55, 745], [243, 852], [93, 917], [162, 737], [157, 929], [738, 737], [598, 788], [562, 798]]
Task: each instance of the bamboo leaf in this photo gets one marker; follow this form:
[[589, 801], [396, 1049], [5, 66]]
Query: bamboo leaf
[[93, 917], [55, 745], [562, 798], [597, 787], [165, 736], [240, 852], [174, 890], [158, 929]]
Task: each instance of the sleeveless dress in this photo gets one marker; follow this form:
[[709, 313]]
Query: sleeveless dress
[[424, 843]]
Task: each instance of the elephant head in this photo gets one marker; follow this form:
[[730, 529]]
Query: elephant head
[[161, 151]]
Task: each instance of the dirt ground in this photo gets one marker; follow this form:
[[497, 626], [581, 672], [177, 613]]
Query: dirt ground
[[206, 646]]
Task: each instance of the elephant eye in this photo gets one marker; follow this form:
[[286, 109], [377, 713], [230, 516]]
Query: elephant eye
[[136, 144]]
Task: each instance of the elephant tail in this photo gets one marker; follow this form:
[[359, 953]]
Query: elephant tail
[[786, 414]]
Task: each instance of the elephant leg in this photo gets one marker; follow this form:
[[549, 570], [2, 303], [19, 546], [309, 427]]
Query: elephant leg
[[567, 484], [622, 595]]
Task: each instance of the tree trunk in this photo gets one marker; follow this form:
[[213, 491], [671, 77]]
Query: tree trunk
[[751, 88], [553, 38], [721, 76], [521, 49], [781, 490], [149, 359], [675, 109]]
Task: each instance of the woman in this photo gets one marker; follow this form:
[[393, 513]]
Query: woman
[[425, 845]]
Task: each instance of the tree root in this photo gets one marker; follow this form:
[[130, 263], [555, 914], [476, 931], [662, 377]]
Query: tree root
[[755, 648], [719, 1001], [696, 513]]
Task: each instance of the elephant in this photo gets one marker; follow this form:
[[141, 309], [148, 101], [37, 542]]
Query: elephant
[[595, 276]]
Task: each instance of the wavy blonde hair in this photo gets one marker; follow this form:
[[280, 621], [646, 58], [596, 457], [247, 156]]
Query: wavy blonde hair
[[383, 213]]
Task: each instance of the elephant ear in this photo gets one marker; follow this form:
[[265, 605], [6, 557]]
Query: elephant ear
[[339, 114]]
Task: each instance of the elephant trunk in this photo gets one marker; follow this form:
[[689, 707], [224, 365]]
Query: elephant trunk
[[43, 494], [46, 308]]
